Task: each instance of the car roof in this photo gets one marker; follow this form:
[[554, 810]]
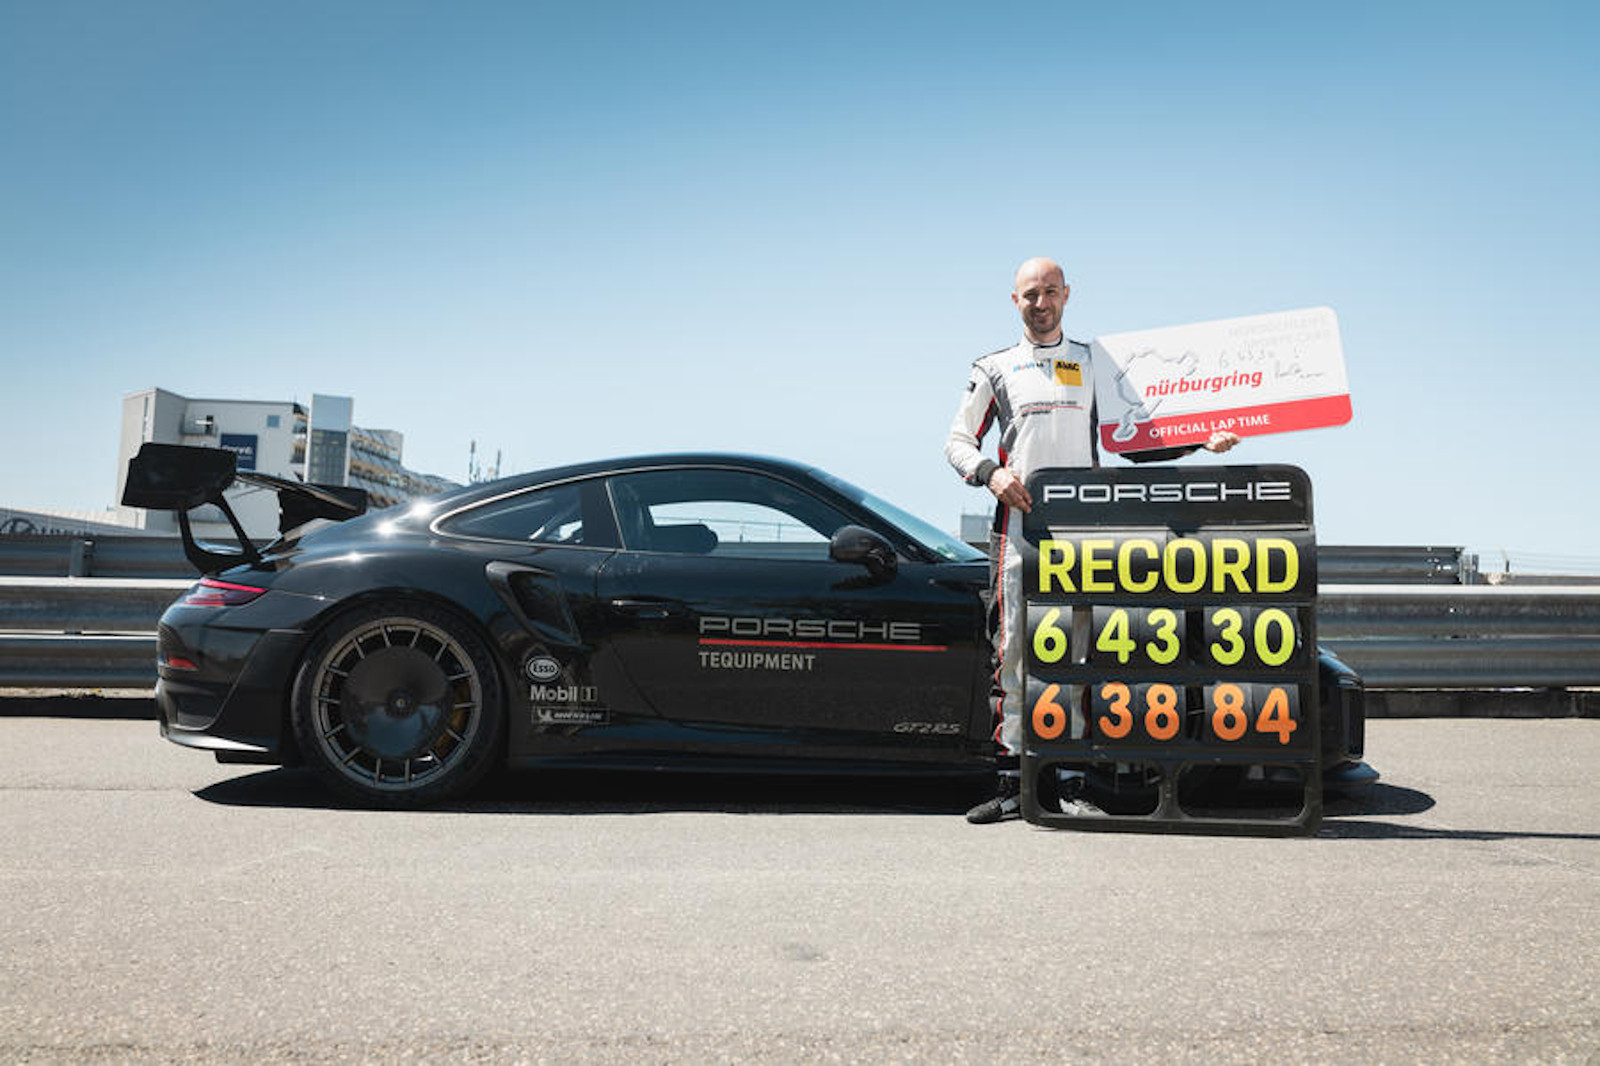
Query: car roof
[[501, 486]]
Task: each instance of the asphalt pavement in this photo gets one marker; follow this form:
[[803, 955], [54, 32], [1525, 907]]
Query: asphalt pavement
[[160, 907]]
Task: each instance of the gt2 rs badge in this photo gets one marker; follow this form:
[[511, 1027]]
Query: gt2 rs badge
[[938, 729], [542, 668]]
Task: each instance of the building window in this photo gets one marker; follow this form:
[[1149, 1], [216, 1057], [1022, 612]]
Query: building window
[[329, 457], [272, 421]]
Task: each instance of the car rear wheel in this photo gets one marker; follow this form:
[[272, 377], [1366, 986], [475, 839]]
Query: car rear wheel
[[399, 704]]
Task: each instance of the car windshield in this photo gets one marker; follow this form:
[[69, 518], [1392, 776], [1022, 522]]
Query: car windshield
[[931, 536]]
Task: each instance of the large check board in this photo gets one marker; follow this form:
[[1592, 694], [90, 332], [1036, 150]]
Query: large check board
[[1171, 634]]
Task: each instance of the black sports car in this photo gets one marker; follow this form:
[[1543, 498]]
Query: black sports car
[[691, 611]]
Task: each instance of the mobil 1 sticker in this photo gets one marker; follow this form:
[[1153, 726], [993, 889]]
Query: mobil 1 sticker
[[567, 705]]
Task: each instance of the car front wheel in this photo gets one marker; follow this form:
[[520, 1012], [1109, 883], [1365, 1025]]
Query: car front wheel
[[398, 704]]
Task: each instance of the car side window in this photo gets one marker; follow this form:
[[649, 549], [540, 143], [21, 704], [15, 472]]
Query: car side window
[[543, 516], [721, 513]]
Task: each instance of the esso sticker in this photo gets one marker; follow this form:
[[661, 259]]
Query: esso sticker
[[543, 668]]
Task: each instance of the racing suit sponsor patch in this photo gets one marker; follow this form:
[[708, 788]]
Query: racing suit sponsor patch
[[1068, 372]]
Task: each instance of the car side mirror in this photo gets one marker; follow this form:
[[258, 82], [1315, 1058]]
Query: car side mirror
[[853, 544]]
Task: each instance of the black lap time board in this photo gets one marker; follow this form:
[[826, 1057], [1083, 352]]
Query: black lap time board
[[1171, 650]]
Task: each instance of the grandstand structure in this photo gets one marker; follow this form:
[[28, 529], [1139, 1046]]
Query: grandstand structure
[[316, 442]]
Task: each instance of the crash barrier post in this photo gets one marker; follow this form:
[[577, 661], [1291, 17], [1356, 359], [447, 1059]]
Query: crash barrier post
[[53, 555], [1171, 650]]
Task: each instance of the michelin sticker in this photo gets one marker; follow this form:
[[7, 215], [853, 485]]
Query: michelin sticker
[[570, 716]]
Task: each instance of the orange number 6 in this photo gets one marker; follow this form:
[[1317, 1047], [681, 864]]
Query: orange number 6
[[1049, 720]]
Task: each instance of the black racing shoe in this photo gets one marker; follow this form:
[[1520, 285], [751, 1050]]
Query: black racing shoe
[[1007, 802], [1070, 791]]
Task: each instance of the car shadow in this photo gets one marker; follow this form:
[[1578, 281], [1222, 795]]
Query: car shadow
[[1350, 818], [1380, 798], [588, 792], [1360, 830], [582, 792]]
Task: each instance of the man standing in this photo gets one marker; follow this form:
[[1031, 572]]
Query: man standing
[[1041, 393]]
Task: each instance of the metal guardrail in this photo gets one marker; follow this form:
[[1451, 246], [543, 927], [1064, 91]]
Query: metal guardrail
[[85, 604], [46, 555], [59, 660], [1361, 613], [1464, 636], [97, 632], [81, 632], [1346, 564], [1529, 662]]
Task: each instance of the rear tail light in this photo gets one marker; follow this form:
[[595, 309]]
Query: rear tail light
[[213, 593]]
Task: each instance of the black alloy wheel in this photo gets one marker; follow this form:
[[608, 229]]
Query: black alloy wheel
[[398, 704]]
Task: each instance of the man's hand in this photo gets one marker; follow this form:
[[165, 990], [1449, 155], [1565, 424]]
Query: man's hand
[[1221, 441], [1010, 491]]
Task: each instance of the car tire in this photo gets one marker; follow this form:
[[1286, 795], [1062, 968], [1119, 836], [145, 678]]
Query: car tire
[[399, 704]]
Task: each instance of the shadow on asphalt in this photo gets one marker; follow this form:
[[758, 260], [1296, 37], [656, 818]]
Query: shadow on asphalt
[[1381, 798], [573, 792], [87, 707], [1390, 831], [1346, 819]]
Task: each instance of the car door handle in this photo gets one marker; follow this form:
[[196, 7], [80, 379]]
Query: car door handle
[[647, 608]]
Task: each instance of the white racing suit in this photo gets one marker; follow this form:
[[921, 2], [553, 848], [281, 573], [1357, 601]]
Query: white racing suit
[[1042, 398]]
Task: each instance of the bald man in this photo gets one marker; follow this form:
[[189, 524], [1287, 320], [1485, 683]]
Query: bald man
[[1040, 392]]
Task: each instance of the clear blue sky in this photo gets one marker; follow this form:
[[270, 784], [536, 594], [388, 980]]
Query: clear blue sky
[[569, 231]]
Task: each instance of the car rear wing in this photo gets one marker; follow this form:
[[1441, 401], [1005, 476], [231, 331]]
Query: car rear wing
[[179, 478]]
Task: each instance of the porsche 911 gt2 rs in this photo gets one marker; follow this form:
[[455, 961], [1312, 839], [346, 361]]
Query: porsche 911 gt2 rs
[[688, 611]]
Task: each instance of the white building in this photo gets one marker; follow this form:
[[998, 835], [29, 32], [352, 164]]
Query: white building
[[320, 444]]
